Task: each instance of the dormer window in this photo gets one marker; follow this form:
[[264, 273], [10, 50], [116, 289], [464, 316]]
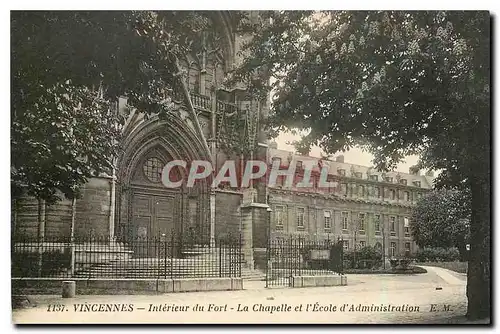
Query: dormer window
[[392, 194], [358, 175], [403, 181], [280, 181], [388, 179], [373, 177], [299, 165], [361, 190], [341, 172], [417, 183], [407, 196]]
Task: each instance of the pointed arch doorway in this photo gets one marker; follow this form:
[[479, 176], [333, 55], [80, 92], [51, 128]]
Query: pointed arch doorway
[[147, 209], [156, 211]]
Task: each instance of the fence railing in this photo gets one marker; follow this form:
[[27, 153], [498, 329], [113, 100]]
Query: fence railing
[[95, 257], [288, 257]]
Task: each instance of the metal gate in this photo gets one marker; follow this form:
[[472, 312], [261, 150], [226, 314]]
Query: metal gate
[[290, 257]]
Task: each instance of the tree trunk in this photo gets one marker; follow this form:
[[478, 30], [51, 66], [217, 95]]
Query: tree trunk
[[13, 219], [72, 236], [41, 234], [478, 275]]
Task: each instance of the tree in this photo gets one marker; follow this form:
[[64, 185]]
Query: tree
[[395, 83], [441, 219], [68, 70]]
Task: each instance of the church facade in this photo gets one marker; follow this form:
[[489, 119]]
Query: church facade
[[366, 208]]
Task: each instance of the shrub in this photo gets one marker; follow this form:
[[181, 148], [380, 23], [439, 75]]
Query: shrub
[[404, 263], [367, 257], [52, 263]]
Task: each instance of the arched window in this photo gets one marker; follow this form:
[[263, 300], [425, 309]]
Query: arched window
[[152, 169]]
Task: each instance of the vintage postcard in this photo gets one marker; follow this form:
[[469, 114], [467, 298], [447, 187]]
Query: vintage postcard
[[258, 167]]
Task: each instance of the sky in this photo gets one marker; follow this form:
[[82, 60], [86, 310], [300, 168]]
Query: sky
[[353, 156]]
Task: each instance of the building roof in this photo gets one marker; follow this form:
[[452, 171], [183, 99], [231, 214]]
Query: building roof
[[426, 181]]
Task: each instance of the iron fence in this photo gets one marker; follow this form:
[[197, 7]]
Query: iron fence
[[292, 256], [99, 257]]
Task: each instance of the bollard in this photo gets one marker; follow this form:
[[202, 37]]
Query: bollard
[[68, 289]]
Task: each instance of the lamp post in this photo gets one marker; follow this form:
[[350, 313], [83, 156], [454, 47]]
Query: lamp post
[[269, 266], [383, 244], [355, 247], [269, 211]]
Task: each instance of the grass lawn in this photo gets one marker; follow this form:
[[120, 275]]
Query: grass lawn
[[459, 267]]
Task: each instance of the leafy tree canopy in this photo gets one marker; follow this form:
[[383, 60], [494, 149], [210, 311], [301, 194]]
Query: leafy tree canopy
[[442, 219], [69, 68], [395, 83]]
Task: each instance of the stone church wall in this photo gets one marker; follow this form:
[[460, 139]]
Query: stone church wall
[[26, 224], [92, 214], [58, 219], [93, 209], [227, 214]]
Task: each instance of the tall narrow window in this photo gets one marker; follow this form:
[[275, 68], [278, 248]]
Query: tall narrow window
[[300, 218], [345, 220], [407, 248], [346, 245], [392, 225], [279, 217], [377, 192], [393, 249], [377, 224], [328, 220], [407, 227], [361, 222]]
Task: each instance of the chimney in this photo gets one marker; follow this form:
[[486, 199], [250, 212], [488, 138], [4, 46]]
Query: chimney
[[414, 170], [429, 173], [340, 158]]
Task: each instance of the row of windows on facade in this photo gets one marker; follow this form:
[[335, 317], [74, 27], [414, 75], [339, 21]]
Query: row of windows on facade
[[392, 247], [377, 192], [153, 168], [359, 175], [327, 221], [360, 190]]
